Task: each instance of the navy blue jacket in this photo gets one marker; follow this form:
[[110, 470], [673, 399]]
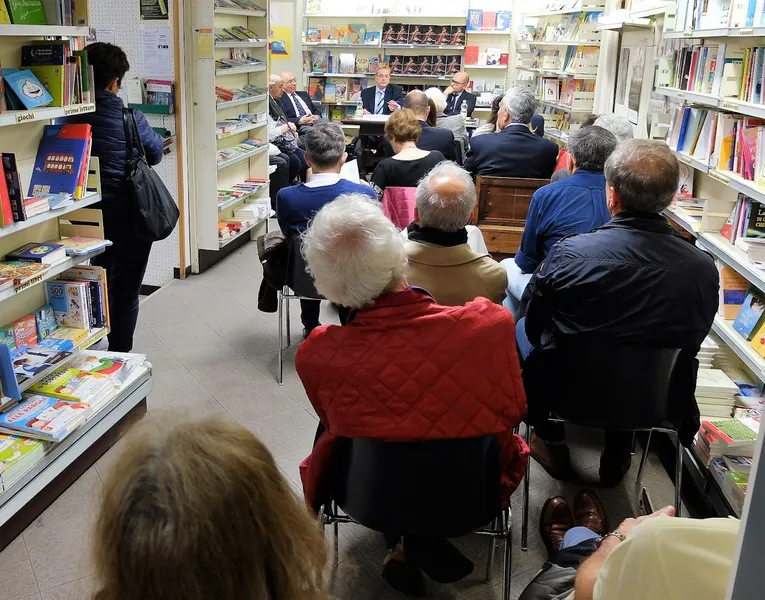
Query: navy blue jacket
[[465, 98], [573, 205], [392, 92], [110, 145], [633, 281], [433, 138], [289, 110], [512, 152]]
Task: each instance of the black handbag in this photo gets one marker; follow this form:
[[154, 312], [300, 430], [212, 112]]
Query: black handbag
[[156, 212]]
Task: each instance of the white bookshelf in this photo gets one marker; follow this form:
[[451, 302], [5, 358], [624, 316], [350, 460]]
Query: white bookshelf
[[209, 173], [39, 31], [19, 117]]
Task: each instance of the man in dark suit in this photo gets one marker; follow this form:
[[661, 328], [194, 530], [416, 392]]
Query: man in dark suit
[[457, 94], [515, 151], [385, 97], [431, 138], [298, 105]]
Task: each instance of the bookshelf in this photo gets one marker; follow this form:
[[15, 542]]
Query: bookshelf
[[558, 57], [223, 157]]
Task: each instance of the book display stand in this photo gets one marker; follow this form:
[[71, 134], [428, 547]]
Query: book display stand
[[230, 135], [52, 470]]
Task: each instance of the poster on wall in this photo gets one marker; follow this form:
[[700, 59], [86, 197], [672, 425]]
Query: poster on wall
[[154, 10], [157, 52], [636, 85], [279, 41], [621, 84]]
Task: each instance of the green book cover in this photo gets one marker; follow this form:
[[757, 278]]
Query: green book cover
[[27, 12], [83, 70]]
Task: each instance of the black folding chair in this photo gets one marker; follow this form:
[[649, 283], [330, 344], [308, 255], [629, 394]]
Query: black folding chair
[[610, 387], [437, 489], [299, 286]]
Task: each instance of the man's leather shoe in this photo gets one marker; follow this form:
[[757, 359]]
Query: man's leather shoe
[[554, 458], [555, 521], [589, 512]]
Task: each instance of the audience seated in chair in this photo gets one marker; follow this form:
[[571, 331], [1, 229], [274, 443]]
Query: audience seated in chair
[[431, 138], [651, 557], [440, 259], [298, 106], [537, 125], [296, 205], [384, 375], [454, 123], [515, 151], [575, 205], [282, 133], [410, 164], [198, 511], [632, 281]]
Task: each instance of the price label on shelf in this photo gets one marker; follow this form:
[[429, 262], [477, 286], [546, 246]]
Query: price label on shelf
[[731, 105], [747, 31], [688, 33], [25, 117], [684, 158], [681, 95], [719, 177]]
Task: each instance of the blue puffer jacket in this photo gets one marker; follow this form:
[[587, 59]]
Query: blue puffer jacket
[[110, 145]]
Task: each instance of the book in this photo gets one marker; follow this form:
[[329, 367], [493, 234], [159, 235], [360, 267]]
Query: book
[[46, 254], [6, 210], [79, 245], [504, 19], [488, 20], [50, 343], [741, 464], [13, 181], [45, 321], [27, 362], [750, 316], [329, 92], [8, 336], [346, 63], [25, 331], [48, 62], [58, 165], [43, 417], [70, 303], [27, 12], [23, 274], [74, 385], [316, 89], [17, 456], [341, 88], [75, 335], [471, 55], [8, 378], [116, 366], [27, 89], [474, 19], [355, 33], [312, 35], [372, 38], [733, 288]]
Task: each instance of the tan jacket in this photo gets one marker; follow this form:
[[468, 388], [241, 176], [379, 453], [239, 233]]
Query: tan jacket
[[455, 275]]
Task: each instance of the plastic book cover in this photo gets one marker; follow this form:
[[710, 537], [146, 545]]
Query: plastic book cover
[[116, 366], [73, 385], [79, 245], [27, 89], [25, 330], [45, 418], [27, 362]]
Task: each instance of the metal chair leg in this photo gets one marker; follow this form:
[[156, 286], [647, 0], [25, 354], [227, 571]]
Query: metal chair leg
[[281, 336], [289, 327], [526, 485], [507, 572], [644, 458], [496, 526], [678, 477], [336, 532], [634, 442]]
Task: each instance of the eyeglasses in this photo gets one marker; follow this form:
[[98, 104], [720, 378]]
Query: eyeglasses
[[454, 81]]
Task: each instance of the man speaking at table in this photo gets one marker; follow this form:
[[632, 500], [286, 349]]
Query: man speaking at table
[[457, 93], [385, 97]]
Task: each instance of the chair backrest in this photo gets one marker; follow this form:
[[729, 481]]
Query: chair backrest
[[435, 488], [505, 200], [612, 386], [459, 151], [398, 205], [298, 278]]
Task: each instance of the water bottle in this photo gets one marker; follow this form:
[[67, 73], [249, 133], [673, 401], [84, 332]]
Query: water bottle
[[359, 108], [463, 111]]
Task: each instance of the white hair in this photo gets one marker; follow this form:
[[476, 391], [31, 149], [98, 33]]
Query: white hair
[[445, 197], [273, 79], [439, 100], [619, 125], [354, 252], [521, 104]]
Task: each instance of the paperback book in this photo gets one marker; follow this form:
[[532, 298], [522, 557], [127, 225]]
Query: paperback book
[[44, 418]]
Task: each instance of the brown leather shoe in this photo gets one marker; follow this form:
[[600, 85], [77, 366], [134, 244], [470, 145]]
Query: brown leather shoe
[[589, 512], [554, 458], [555, 521]]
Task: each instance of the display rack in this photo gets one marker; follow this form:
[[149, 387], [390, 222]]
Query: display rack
[[211, 169], [20, 133]]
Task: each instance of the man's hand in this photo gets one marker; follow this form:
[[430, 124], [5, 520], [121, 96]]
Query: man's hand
[[448, 91], [306, 120], [292, 127], [393, 105], [628, 524], [364, 111]]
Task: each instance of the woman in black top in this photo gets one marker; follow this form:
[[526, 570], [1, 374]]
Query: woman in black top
[[410, 164]]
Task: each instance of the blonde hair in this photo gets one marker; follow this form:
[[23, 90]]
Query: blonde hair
[[201, 511], [403, 126]]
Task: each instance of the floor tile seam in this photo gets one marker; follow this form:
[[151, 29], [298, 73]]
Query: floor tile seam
[[209, 392], [200, 316], [53, 587], [29, 560]]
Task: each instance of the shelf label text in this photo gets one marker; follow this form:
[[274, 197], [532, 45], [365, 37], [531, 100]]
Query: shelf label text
[[719, 177]]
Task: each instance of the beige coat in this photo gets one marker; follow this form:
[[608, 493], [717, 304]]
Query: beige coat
[[455, 275]]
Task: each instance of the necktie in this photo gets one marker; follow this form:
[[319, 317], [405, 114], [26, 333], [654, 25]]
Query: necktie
[[379, 102], [298, 105]]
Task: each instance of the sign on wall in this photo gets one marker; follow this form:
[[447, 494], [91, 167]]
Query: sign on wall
[[154, 10]]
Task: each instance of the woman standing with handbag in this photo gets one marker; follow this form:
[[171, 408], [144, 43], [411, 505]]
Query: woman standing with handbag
[[125, 261]]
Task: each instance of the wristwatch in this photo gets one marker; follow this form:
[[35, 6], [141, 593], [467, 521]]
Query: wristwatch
[[617, 534]]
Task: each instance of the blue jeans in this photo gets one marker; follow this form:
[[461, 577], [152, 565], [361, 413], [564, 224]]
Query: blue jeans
[[517, 281], [577, 535], [524, 345]]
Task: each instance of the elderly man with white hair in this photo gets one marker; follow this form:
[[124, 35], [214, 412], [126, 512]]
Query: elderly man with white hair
[[384, 375], [282, 133], [440, 258], [515, 151]]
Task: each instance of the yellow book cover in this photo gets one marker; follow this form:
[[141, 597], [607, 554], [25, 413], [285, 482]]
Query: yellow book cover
[[747, 60], [758, 341], [5, 18], [74, 385], [726, 151], [70, 333]]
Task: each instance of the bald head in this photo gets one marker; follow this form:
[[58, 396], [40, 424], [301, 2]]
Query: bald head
[[290, 82], [417, 102], [461, 78], [445, 198]]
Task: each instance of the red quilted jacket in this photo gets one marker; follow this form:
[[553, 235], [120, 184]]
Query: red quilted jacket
[[408, 369]]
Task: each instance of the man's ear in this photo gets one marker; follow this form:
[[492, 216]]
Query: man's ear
[[570, 162], [308, 161], [416, 215], [342, 161]]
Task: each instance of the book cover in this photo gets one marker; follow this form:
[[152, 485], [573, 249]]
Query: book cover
[[25, 331], [410, 65], [47, 62], [488, 20], [8, 336], [337, 113], [76, 336], [439, 65], [318, 62], [79, 245], [316, 88], [45, 321], [27, 12], [474, 19], [733, 288], [27, 362], [23, 273], [415, 34], [312, 35], [5, 18], [749, 318], [13, 182], [402, 34], [6, 211], [424, 65], [70, 302], [50, 343], [429, 36], [355, 33], [15, 454], [7, 376], [755, 226], [45, 418], [58, 165], [374, 62], [389, 34], [444, 34], [347, 63], [116, 366], [362, 64], [341, 88], [372, 38], [504, 19], [453, 64], [471, 55], [38, 253], [329, 92], [27, 89], [458, 36], [74, 385]]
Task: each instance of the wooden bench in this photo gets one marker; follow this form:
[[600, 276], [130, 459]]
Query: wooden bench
[[500, 214]]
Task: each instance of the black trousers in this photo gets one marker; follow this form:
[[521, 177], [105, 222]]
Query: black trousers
[[125, 263], [280, 178], [309, 313]]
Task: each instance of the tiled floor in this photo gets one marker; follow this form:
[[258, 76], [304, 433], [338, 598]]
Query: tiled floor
[[214, 354]]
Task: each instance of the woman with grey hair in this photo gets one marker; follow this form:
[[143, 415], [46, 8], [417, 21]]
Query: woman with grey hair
[[454, 123], [397, 348]]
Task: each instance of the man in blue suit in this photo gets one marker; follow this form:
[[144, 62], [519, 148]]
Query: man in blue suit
[[431, 138], [298, 106], [385, 97], [515, 151]]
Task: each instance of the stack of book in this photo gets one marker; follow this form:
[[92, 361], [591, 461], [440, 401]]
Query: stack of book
[[79, 299], [229, 126], [717, 14], [732, 476], [228, 94], [729, 437], [17, 456], [715, 393], [246, 147], [235, 34], [254, 211], [238, 4]]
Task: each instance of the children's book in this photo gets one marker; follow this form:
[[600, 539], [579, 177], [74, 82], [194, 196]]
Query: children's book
[[329, 92], [116, 366], [751, 314], [355, 34], [79, 245], [74, 385], [474, 19], [341, 88], [27, 362], [45, 320], [27, 12], [8, 336], [48, 62], [25, 331], [23, 274], [70, 303], [7, 376], [372, 38], [27, 89], [44, 418], [11, 172], [76, 336], [47, 254], [58, 165], [316, 88]]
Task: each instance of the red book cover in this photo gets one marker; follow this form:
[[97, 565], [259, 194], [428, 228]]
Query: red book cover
[[25, 331], [489, 21], [471, 55], [6, 214], [692, 72], [504, 58]]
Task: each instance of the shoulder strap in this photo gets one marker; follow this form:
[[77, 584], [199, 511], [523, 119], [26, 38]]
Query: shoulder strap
[[132, 138]]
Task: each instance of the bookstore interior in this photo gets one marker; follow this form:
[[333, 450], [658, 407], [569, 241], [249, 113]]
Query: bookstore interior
[[687, 74]]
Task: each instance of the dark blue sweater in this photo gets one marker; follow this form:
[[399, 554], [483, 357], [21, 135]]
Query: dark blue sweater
[[297, 205]]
